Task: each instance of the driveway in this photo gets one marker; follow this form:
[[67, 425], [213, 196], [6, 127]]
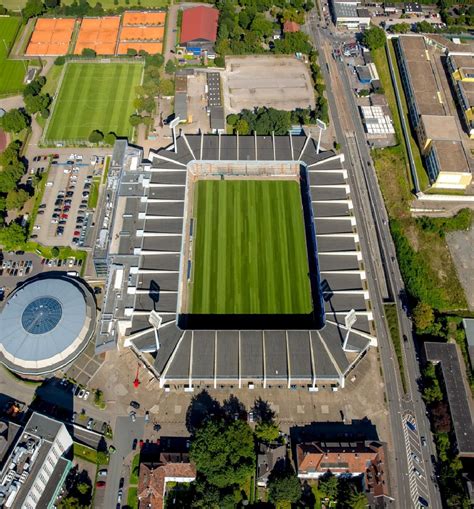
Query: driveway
[[126, 431]]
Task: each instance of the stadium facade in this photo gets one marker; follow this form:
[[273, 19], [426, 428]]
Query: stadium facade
[[140, 247]]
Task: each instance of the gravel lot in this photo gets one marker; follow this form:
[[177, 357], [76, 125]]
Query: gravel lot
[[283, 83], [461, 246]]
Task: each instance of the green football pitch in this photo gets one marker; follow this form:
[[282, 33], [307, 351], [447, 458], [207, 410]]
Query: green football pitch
[[94, 96], [12, 72], [249, 249]]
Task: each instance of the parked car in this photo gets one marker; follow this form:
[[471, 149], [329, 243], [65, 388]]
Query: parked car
[[135, 404], [100, 484], [102, 472]]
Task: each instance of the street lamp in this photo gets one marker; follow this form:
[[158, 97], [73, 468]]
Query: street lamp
[[322, 127]]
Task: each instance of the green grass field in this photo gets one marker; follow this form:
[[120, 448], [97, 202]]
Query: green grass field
[[12, 72], [249, 249], [94, 96]]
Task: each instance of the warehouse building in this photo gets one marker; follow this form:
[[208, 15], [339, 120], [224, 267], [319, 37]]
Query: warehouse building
[[461, 70], [141, 301], [199, 30], [438, 138]]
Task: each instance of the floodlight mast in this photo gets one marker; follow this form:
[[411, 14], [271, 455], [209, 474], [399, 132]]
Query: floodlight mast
[[349, 320], [322, 127]]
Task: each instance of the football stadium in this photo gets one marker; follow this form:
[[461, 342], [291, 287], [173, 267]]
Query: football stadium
[[234, 260]]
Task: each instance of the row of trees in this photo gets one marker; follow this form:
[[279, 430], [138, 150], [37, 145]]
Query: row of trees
[[35, 101]]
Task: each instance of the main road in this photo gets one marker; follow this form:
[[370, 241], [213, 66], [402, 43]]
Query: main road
[[409, 456]]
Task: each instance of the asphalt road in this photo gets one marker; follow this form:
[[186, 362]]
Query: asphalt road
[[379, 252], [125, 432]]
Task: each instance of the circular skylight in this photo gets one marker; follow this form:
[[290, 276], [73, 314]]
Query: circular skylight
[[41, 315]]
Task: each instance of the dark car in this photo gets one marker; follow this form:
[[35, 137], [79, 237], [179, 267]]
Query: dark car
[[134, 444], [135, 404]]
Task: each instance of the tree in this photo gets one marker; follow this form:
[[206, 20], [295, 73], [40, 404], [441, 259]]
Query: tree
[[328, 485], [12, 236], [219, 62], [35, 103], [267, 431], [400, 28], [8, 179], [32, 8], [284, 488], [425, 27], [166, 87], [55, 252], [357, 500], [16, 199], [131, 52], [374, 38], [170, 67], [15, 121], [242, 127], [83, 488], [423, 316], [60, 60], [135, 120], [232, 119], [96, 136], [224, 453], [51, 4], [109, 138]]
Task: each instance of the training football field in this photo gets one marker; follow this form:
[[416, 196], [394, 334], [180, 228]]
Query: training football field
[[249, 249], [12, 72], [94, 96]]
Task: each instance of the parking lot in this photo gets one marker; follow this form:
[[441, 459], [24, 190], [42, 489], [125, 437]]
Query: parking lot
[[64, 216], [283, 83], [16, 268]]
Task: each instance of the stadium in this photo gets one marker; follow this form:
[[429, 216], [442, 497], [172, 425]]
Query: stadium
[[235, 260], [46, 323]]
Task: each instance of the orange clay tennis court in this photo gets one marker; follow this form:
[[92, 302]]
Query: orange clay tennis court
[[142, 34], [99, 34], [51, 36], [143, 18], [150, 47]]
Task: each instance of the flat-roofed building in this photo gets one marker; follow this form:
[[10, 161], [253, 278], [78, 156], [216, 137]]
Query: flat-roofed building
[[350, 15], [461, 70], [437, 132], [36, 468]]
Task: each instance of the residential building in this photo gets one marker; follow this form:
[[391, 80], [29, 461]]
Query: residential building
[[268, 458], [199, 29], [459, 398], [461, 71], [34, 472], [172, 467], [364, 458], [438, 138]]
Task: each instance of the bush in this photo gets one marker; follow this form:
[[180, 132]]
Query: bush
[[109, 138], [60, 61], [219, 61], [88, 52], [132, 52], [170, 67]]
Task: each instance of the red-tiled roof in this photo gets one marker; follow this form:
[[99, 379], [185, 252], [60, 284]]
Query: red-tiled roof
[[290, 26], [152, 478], [199, 23], [365, 458]]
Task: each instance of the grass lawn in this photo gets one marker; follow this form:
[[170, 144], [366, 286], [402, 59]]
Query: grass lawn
[[134, 470], [392, 321], [250, 249], [94, 96], [12, 72], [94, 193], [84, 452], [132, 497]]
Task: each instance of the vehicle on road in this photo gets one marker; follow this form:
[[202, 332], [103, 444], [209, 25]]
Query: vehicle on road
[[119, 496], [102, 472], [423, 441], [147, 416], [133, 416], [90, 423], [135, 404], [411, 425]]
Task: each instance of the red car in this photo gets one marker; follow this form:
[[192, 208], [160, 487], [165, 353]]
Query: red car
[[140, 443], [100, 484], [64, 216], [77, 233]]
